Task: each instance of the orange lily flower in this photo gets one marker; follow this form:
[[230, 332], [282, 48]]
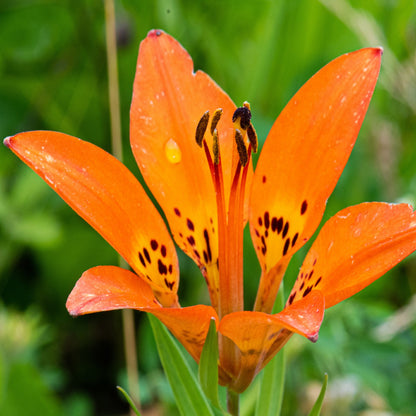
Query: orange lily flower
[[193, 147]]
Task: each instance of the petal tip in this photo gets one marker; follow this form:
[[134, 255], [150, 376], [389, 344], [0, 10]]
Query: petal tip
[[313, 337], [6, 141], [155, 33]]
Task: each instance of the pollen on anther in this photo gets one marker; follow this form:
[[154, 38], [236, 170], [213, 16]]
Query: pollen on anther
[[252, 137], [201, 128], [241, 147], [215, 119]]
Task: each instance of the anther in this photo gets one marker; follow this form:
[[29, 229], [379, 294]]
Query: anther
[[241, 147], [215, 119], [252, 137], [215, 147], [201, 128], [243, 115]]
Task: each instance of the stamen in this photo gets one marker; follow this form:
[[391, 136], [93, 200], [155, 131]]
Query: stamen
[[215, 119], [252, 137], [241, 147], [215, 147], [201, 128], [243, 116]]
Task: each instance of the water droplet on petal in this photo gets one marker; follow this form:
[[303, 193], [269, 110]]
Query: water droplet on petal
[[173, 152]]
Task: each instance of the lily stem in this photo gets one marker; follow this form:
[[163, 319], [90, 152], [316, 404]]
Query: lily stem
[[233, 402], [117, 150]]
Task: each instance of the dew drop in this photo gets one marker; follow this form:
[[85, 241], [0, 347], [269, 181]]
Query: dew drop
[[173, 152]]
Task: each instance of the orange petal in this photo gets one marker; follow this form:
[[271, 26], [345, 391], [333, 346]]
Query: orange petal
[[259, 335], [304, 155], [107, 195], [354, 248], [169, 99], [106, 288], [189, 325]]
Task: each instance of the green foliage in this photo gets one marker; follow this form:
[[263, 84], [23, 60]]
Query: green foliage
[[53, 76], [190, 399], [271, 386], [208, 366], [316, 410]]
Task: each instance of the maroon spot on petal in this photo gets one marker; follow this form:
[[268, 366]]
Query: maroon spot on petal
[[286, 246], [168, 284], [307, 291], [162, 267], [190, 224], [141, 258], [146, 254], [267, 219], [285, 229], [206, 237], [295, 237], [154, 245], [303, 207], [163, 251]]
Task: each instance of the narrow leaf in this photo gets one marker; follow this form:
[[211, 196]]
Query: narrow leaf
[[208, 366], [316, 410], [129, 400], [271, 386], [188, 394]]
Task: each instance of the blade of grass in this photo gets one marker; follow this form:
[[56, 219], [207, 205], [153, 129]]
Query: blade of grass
[[270, 393], [208, 366], [186, 389], [316, 410], [129, 400]]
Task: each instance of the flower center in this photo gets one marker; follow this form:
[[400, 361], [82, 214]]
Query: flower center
[[230, 216]]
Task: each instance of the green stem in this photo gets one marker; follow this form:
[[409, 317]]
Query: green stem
[[117, 150], [232, 402], [113, 90]]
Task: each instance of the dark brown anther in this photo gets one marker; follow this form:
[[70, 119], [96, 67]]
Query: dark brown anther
[[215, 147], [252, 137], [215, 119], [241, 147], [201, 128], [244, 114]]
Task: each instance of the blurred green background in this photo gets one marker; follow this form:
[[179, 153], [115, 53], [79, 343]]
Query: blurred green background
[[53, 75]]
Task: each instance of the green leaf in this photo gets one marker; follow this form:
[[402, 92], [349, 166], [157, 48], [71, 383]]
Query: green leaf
[[318, 404], [186, 389], [208, 366], [270, 395], [129, 400]]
